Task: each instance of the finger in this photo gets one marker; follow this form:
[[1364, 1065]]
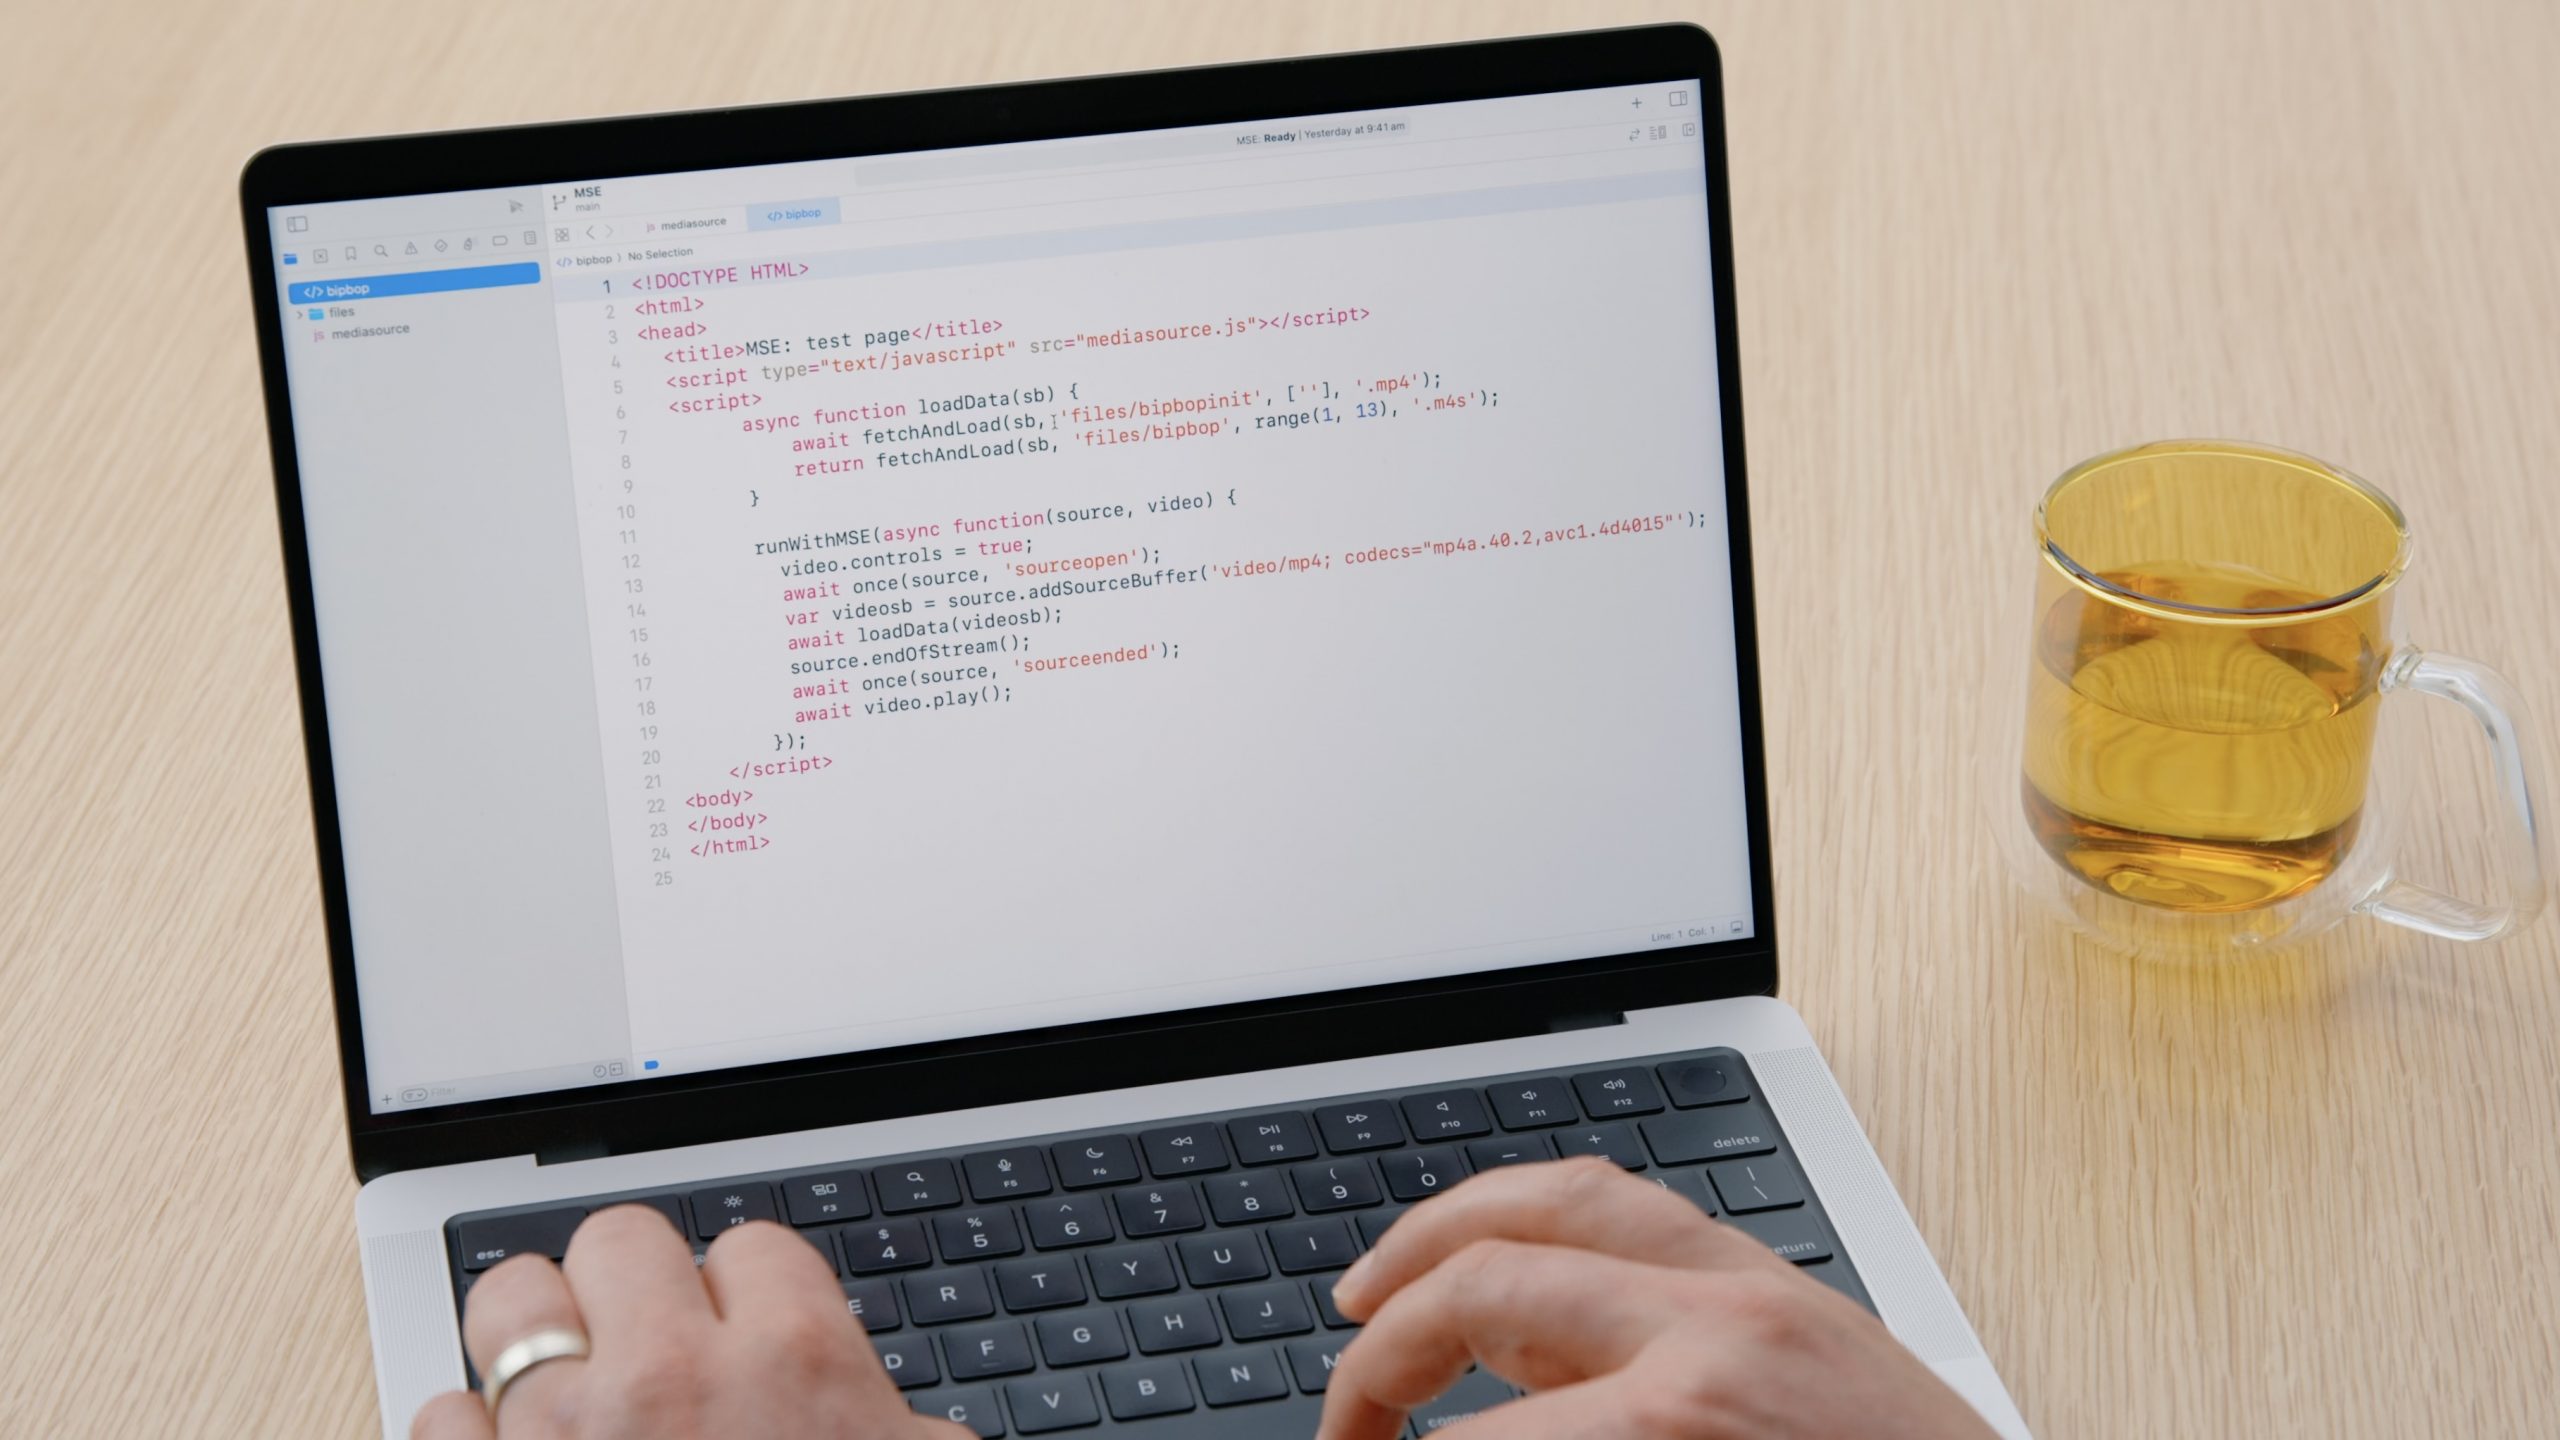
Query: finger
[[631, 1274], [453, 1415], [1586, 1202], [777, 1293], [759, 1271], [1540, 1315], [514, 1300]]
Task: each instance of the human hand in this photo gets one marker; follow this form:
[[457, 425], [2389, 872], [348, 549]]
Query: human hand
[[1626, 1313], [757, 1341]]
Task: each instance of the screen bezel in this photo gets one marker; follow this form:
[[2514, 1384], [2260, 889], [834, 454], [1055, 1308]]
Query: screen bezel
[[1023, 1065]]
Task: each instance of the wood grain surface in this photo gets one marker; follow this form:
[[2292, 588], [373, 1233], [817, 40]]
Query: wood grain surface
[[1975, 242]]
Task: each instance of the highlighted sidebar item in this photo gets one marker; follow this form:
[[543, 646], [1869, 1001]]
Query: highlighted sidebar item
[[421, 282]]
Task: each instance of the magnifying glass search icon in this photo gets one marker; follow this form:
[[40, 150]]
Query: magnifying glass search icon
[[382, 250]]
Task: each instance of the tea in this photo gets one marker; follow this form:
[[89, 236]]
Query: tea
[[2201, 764]]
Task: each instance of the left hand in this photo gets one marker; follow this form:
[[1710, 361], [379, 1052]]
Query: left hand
[[755, 1342]]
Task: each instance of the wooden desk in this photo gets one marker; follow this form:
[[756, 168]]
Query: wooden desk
[[1975, 242]]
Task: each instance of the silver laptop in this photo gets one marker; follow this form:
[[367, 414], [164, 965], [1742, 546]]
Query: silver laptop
[[1081, 691]]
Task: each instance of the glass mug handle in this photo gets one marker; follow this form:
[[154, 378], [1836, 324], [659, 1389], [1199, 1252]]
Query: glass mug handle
[[2490, 700]]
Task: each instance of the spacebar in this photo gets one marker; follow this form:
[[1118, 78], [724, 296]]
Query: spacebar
[[1290, 1419]]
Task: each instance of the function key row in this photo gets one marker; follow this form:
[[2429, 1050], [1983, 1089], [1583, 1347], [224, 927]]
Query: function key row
[[1210, 1147]]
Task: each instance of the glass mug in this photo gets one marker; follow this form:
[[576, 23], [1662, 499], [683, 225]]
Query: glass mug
[[2212, 647]]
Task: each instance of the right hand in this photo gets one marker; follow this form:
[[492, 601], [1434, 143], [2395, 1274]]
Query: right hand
[[1627, 1314], [756, 1341]]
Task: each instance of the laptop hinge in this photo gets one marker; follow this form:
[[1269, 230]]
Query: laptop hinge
[[592, 1148]]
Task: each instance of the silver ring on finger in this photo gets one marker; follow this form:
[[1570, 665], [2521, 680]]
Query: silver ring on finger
[[556, 1342]]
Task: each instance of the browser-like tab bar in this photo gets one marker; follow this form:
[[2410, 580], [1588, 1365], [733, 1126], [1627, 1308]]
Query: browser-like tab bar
[[787, 214]]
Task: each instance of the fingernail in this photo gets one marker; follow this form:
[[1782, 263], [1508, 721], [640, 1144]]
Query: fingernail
[[1350, 1282]]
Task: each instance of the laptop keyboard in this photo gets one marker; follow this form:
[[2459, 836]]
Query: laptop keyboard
[[1176, 1280]]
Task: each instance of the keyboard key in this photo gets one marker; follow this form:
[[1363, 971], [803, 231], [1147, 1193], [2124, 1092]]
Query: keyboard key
[[982, 1352], [948, 1295], [1476, 1392], [1096, 1160], [1532, 1104], [1305, 1246], [545, 1232], [1177, 1322], [1269, 1139], [887, 1245], [1321, 1290], [977, 1234], [1041, 1283], [1446, 1115], [1184, 1150], [1158, 1209], [1608, 1094], [1420, 1174], [1689, 1185], [1614, 1141], [724, 1206], [1126, 1270], [1006, 1174], [1312, 1361], [1749, 1185], [1502, 1150], [974, 1407], [825, 1199], [1371, 1125], [667, 1205], [825, 1243], [915, 1185], [1240, 1377], [1716, 1078], [1244, 1199], [1150, 1387], [1795, 1234], [1374, 1223], [1264, 1312], [1222, 1259], [1052, 1402], [1686, 1135], [1063, 1221], [908, 1359], [1336, 1185], [1081, 1338], [873, 1302]]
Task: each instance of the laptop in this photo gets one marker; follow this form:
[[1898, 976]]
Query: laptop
[[1081, 691]]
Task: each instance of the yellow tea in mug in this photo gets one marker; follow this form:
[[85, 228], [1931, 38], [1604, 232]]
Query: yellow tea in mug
[[2212, 625]]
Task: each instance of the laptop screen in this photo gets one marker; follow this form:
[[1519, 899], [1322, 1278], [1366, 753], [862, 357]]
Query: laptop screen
[[781, 612]]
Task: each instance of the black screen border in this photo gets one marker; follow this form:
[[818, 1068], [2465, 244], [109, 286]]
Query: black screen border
[[1024, 1065]]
